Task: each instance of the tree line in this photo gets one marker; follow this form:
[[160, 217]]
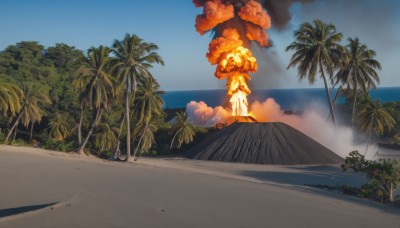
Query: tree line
[[104, 101], [352, 69], [107, 102]]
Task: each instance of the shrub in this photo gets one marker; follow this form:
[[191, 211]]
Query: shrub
[[356, 162], [383, 175], [53, 144]]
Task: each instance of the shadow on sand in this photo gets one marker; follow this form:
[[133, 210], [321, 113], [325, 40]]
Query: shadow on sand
[[19, 210], [298, 177]]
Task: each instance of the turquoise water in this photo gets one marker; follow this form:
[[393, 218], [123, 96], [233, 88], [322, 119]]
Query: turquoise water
[[292, 99]]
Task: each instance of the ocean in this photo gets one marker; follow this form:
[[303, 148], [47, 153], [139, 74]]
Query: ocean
[[288, 99]]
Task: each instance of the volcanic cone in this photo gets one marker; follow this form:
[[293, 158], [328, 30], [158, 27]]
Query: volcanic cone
[[263, 143]]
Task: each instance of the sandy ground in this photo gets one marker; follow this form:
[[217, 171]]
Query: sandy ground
[[61, 190]]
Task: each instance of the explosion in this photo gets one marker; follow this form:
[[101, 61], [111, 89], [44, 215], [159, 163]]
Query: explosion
[[235, 23]]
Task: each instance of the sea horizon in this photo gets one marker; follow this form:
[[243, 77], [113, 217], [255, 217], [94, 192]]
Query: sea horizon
[[293, 99]]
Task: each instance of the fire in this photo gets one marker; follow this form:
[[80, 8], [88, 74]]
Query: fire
[[234, 67], [236, 23]]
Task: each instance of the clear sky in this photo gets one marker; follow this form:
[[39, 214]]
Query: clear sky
[[170, 24]]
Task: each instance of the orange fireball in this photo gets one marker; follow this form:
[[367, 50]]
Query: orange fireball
[[229, 48]]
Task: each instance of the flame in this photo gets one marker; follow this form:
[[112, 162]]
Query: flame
[[229, 49], [234, 66]]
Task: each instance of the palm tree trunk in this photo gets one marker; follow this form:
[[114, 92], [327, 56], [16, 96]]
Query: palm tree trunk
[[337, 94], [369, 138], [94, 124], [80, 126], [354, 106], [12, 128], [335, 99], [31, 132], [140, 141], [328, 96], [391, 192], [15, 133], [128, 126], [117, 150]]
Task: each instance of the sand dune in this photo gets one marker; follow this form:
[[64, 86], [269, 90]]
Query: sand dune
[[66, 191]]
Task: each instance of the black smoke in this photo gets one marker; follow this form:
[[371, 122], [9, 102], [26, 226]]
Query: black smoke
[[279, 11]]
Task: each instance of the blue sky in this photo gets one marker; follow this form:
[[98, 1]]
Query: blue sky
[[170, 24]]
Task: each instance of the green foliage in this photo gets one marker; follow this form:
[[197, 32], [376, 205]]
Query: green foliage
[[50, 71], [54, 144], [317, 51], [105, 137], [356, 162], [61, 79], [182, 130], [357, 70], [33, 103], [94, 79], [393, 108], [358, 67], [58, 126], [10, 97], [148, 101], [347, 189], [132, 62], [373, 117], [383, 176], [144, 133]]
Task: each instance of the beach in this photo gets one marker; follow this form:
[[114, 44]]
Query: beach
[[175, 192]]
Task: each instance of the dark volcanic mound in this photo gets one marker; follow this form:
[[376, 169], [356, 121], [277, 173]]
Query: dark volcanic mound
[[263, 143]]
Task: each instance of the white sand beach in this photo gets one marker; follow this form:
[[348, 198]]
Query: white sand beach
[[56, 189]]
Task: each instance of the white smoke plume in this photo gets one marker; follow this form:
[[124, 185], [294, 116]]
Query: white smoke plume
[[203, 115], [312, 122]]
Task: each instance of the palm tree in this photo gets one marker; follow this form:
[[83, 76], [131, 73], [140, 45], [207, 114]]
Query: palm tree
[[133, 58], [58, 126], [358, 69], [146, 132], [31, 109], [148, 101], [10, 96], [96, 84], [317, 49], [148, 106], [105, 137], [182, 130], [373, 117]]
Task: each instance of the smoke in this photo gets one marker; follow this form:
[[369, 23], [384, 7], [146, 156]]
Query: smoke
[[272, 71], [279, 11], [203, 115], [312, 122], [246, 16], [215, 12]]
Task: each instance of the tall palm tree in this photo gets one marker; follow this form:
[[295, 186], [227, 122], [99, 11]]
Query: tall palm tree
[[317, 50], [148, 106], [182, 130], [31, 110], [358, 69], [58, 126], [96, 84], [10, 96], [373, 117], [134, 58]]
